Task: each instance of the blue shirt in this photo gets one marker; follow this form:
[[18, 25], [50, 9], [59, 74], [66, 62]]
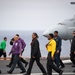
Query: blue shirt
[[58, 43]]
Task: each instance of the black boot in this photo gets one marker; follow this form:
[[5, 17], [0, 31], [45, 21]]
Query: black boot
[[0, 72], [61, 72], [9, 72], [23, 72], [44, 73], [26, 74], [74, 71], [8, 66], [26, 64], [62, 67]]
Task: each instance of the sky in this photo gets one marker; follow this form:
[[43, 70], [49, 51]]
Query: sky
[[34, 14]]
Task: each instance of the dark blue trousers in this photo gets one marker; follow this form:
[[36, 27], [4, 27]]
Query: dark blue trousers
[[58, 61]]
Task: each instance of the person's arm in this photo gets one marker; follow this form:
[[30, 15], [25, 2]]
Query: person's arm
[[23, 44], [59, 44], [53, 48], [74, 45], [48, 46], [11, 51], [20, 46]]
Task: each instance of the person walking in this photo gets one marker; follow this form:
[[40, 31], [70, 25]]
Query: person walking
[[16, 51], [35, 55], [3, 47], [12, 57], [23, 46], [51, 48], [72, 51], [58, 40]]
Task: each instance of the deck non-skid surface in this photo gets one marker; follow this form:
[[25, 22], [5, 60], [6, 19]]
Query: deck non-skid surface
[[35, 71], [68, 73]]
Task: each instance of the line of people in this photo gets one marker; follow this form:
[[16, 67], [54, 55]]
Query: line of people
[[53, 59]]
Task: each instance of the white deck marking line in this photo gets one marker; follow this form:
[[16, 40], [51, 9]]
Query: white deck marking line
[[66, 73], [67, 61]]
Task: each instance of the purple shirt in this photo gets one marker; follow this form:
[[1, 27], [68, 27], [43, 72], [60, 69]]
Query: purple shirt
[[16, 48], [23, 43]]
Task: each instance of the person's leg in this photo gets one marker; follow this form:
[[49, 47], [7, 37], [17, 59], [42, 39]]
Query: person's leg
[[15, 61], [1, 53], [49, 63], [30, 66], [24, 61], [4, 54], [62, 64], [49, 68], [57, 59], [52, 66], [11, 61], [0, 72], [74, 71], [40, 65], [60, 61], [72, 56], [55, 68], [21, 66]]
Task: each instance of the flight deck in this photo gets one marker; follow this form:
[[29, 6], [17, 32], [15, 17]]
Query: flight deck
[[68, 70]]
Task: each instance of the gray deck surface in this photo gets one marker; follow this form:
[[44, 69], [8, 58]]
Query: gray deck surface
[[35, 71]]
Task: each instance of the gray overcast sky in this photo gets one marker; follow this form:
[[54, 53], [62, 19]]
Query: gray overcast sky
[[34, 14]]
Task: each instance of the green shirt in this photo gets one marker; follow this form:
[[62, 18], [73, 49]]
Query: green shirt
[[3, 45]]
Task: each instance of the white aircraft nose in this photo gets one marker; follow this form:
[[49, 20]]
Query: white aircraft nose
[[60, 28], [46, 33]]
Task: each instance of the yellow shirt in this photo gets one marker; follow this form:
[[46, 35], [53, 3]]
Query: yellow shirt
[[51, 47]]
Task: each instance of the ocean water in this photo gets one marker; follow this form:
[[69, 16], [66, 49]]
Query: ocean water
[[26, 35]]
